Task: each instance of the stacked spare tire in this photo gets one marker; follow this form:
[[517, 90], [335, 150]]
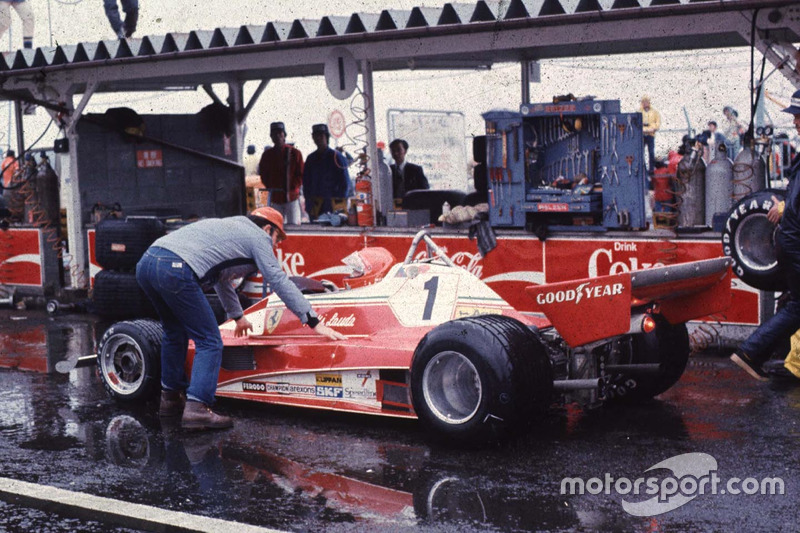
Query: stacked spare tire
[[119, 244]]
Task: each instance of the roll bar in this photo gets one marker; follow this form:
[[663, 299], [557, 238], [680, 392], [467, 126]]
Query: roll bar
[[434, 251]]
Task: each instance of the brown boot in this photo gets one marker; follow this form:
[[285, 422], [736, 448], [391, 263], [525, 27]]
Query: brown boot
[[172, 402], [197, 415]]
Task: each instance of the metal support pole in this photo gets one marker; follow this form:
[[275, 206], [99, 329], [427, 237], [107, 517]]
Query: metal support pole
[[526, 81], [372, 141], [236, 103], [20, 132]]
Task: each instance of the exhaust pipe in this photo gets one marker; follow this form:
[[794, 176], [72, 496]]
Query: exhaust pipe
[[576, 384]]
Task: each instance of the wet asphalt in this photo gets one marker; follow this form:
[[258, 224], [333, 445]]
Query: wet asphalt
[[306, 471]]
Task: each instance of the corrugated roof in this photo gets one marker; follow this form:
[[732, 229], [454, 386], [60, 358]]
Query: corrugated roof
[[452, 20]]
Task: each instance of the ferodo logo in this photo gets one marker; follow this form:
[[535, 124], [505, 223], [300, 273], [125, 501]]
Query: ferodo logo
[[584, 290]]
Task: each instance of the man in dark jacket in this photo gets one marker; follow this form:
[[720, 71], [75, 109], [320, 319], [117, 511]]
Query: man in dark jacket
[[754, 351], [405, 176]]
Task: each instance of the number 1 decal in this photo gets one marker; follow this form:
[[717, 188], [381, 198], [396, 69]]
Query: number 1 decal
[[432, 285]]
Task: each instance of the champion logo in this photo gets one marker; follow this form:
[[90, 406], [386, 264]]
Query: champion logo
[[579, 293]]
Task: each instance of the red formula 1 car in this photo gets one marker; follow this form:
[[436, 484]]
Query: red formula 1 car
[[429, 340]]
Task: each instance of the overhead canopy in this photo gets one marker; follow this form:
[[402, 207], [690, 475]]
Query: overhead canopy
[[453, 36]]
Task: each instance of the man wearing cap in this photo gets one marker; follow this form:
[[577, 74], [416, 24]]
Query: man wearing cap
[[651, 123], [405, 176], [173, 273], [325, 175], [281, 171], [754, 351]]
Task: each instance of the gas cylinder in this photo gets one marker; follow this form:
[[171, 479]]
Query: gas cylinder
[[719, 186], [749, 173], [691, 192]]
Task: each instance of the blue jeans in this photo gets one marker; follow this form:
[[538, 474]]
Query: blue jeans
[[185, 313], [650, 144], [760, 344], [112, 11]]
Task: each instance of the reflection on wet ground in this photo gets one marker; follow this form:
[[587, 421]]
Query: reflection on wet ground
[[299, 471]]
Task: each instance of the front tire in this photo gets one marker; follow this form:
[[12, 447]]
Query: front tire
[[479, 378], [129, 360]]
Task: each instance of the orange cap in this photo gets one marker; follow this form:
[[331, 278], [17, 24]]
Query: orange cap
[[273, 217]]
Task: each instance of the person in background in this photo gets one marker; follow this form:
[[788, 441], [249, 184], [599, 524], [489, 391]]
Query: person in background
[[173, 273], [651, 123], [731, 128], [281, 171], [25, 13], [325, 175], [250, 161], [756, 349], [9, 167], [405, 176], [121, 29], [715, 140]]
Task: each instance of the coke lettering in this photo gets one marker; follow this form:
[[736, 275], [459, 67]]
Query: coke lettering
[[291, 262], [602, 263], [469, 262]]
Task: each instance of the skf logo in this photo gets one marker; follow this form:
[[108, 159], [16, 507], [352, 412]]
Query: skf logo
[[579, 293]]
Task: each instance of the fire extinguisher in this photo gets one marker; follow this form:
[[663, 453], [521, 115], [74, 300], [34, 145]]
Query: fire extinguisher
[[364, 200]]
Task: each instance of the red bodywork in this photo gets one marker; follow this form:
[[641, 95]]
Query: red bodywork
[[284, 362]]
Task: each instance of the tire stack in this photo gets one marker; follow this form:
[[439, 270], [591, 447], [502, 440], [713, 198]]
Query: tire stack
[[119, 245]]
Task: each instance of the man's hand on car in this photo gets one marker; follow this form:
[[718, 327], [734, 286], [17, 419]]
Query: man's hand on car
[[322, 329], [243, 326]]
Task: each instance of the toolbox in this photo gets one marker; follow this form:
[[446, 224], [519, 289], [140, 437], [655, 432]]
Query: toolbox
[[566, 162]]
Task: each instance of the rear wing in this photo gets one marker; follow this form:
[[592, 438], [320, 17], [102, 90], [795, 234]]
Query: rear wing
[[592, 309]]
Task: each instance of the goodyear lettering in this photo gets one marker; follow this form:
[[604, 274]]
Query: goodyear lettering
[[579, 293], [290, 388], [329, 379], [254, 386], [329, 392]]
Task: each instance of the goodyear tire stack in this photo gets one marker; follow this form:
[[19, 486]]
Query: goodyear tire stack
[[120, 243]]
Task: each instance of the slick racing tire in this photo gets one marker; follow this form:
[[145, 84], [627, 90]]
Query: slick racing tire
[[479, 378], [130, 445], [666, 345], [117, 295], [749, 239], [129, 359], [120, 243]]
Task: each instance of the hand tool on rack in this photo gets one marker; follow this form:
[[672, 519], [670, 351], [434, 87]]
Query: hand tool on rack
[[505, 169], [614, 175], [630, 127], [604, 136], [586, 162], [629, 159], [614, 153], [604, 174]]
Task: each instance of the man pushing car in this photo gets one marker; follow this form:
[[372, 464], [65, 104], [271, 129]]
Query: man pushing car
[[173, 273]]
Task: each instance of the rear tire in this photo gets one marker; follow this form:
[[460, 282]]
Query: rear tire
[[129, 360], [480, 378], [668, 346], [749, 239]]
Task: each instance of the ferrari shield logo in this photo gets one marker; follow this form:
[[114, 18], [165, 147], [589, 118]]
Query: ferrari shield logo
[[272, 318]]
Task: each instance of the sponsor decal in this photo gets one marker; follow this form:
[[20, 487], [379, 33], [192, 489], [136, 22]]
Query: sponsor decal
[[254, 386], [553, 208], [290, 388], [364, 377], [329, 379], [360, 394], [339, 321], [584, 290], [272, 318], [471, 310], [329, 392], [602, 259], [329, 385], [117, 247]]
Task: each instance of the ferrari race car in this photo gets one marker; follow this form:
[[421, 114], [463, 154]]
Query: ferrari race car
[[427, 339]]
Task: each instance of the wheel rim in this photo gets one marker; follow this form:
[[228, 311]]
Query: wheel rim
[[452, 387], [755, 252], [122, 364]]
